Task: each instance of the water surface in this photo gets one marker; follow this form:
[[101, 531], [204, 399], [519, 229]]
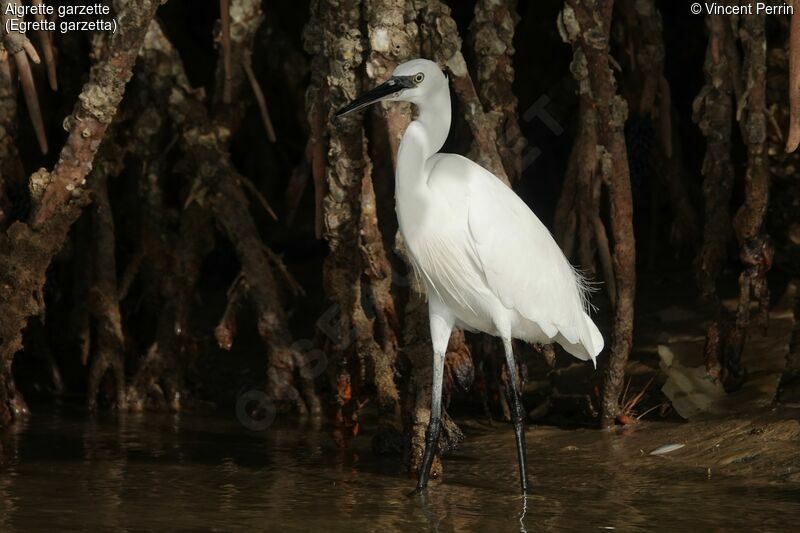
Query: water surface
[[187, 472]]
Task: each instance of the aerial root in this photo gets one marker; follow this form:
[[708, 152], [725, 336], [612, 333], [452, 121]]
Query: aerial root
[[295, 188], [225, 18], [260, 197], [20, 48], [316, 155], [755, 250], [36, 244], [593, 20], [220, 187], [294, 286], [130, 273], [152, 382], [713, 112], [226, 328], [46, 39], [104, 303], [42, 349], [29, 90], [793, 137], [382, 335], [260, 98], [30, 51], [606, 262], [492, 43], [441, 32], [104, 362], [12, 404]]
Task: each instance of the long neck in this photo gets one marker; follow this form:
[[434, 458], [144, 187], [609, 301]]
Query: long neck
[[435, 116], [422, 139]]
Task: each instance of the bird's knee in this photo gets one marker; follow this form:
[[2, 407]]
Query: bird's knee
[[517, 413], [432, 432]]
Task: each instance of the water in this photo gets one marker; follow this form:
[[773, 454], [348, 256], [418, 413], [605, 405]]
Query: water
[[64, 473]]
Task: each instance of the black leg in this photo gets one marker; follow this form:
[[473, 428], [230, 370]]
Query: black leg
[[431, 441], [517, 416], [518, 419], [441, 326]]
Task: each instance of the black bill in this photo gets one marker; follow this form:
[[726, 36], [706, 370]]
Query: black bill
[[390, 87]]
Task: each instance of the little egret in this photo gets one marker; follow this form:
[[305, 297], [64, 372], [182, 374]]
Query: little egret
[[486, 261]]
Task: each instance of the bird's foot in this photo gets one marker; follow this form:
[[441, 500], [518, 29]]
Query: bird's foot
[[416, 492]]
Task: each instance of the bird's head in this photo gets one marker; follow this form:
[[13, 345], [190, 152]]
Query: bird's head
[[411, 81]]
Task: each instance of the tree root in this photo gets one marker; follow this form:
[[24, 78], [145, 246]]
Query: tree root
[[713, 112], [441, 42], [586, 24], [793, 137], [20, 48], [104, 303], [11, 172], [218, 189], [755, 250], [492, 31], [46, 39], [26, 251]]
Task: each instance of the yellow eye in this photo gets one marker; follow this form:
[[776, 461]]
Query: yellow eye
[[419, 77]]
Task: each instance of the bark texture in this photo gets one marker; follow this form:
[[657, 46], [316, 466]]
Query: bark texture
[[104, 302], [218, 188], [26, 250], [755, 249], [171, 262], [586, 25], [492, 31], [442, 43], [11, 172], [793, 137], [714, 113], [334, 39], [640, 38], [20, 49]]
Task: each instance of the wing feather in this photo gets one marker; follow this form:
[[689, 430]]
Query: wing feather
[[522, 264]]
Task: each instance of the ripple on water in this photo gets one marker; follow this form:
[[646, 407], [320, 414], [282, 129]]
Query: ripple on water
[[209, 473]]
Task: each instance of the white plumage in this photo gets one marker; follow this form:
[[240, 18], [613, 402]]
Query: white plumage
[[487, 262], [494, 265]]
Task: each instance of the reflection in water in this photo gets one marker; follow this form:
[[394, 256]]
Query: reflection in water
[[8, 458], [63, 472]]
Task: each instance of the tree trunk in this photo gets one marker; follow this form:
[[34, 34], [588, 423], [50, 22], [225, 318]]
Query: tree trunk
[[492, 31], [713, 112], [586, 24], [104, 303], [442, 43], [755, 250], [26, 250], [218, 188], [334, 39]]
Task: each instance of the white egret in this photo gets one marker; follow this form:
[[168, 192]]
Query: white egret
[[486, 261]]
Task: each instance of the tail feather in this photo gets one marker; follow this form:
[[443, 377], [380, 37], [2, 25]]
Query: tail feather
[[588, 346]]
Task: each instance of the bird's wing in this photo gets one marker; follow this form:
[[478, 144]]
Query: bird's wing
[[521, 262]]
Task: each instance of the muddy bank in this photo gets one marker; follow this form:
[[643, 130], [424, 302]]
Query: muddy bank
[[762, 448]]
